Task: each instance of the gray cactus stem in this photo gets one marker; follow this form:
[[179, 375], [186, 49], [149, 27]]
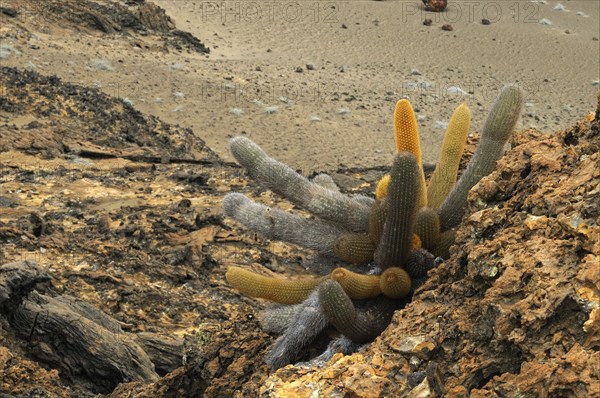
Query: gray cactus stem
[[306, 324], [277, 224], [322, 202]]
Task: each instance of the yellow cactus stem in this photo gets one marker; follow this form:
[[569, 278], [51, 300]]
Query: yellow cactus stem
[[416, 242], [354, 247], [278, 290], [407, 139], [395, 283], [357, 286], [444, 177], [382, 187]]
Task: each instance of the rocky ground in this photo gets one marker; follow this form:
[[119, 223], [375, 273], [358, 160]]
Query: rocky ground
[[114, 250], [121, 213]]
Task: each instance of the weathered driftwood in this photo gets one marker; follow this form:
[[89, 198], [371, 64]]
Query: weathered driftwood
[[75, 337], [165, 351], [84, 343]]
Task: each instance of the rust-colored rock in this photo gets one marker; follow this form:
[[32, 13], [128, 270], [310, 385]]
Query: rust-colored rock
[[435, 5]]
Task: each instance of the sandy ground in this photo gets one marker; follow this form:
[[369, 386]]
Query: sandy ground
[[365, 54]]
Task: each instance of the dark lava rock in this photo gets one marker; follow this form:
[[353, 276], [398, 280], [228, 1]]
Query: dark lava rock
[[11, 12]]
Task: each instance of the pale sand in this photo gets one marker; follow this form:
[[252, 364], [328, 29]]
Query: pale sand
[[383, 42]]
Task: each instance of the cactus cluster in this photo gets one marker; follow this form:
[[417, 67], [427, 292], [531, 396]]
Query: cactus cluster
[[396, 236]]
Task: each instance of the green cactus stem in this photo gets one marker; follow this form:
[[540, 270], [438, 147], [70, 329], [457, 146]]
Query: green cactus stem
[[427, 227], [359, 326], [397, 239]]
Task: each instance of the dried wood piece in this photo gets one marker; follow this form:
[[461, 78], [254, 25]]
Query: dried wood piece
[[84, 343], [165, 351]]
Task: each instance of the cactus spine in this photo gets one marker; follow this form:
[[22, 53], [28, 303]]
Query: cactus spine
[[395, 283], [419, 262], [377, 218], [381, 190], [442, 249], [325, 181], [305, 325]]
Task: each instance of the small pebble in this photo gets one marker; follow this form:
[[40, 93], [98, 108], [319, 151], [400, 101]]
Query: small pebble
[[344, 26], [485, 21], [439, 125], [435, 5], [298, 69], [559, 7], [427, 22], [456, 90], [447, 27], [310, 67]]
